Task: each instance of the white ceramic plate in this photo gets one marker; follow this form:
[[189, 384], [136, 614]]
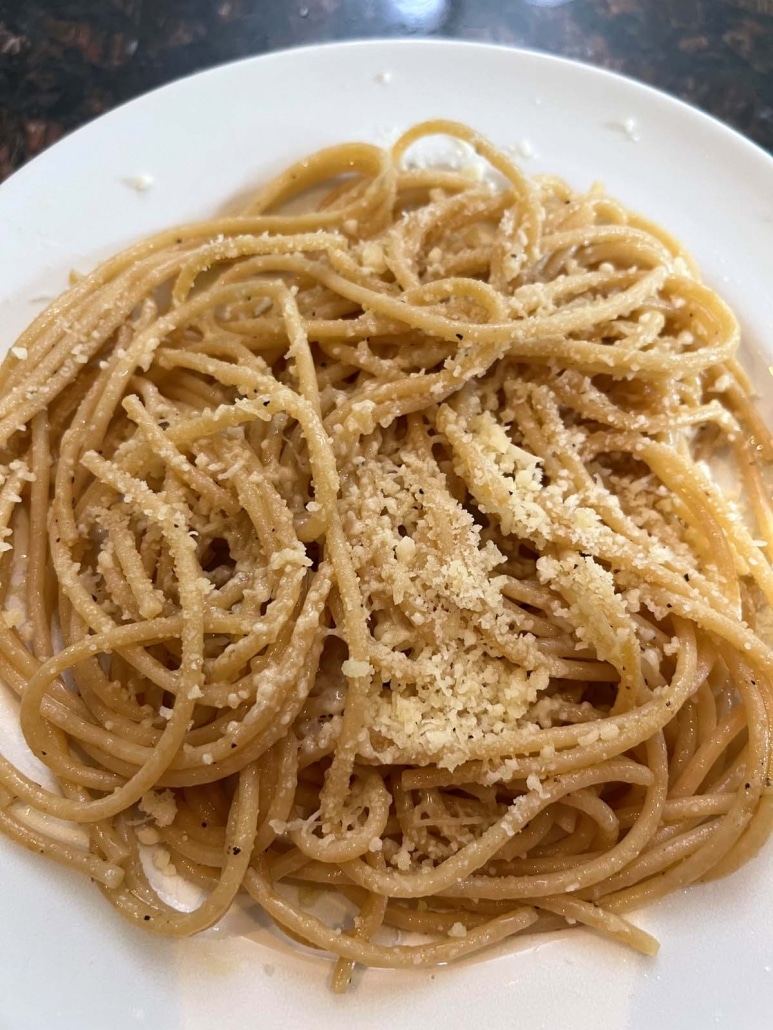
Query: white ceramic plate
[[66, 960]]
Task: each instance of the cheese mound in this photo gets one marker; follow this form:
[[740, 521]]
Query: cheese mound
[[455, 670]]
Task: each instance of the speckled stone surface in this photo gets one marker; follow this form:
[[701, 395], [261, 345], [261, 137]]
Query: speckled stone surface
[[66, 61]]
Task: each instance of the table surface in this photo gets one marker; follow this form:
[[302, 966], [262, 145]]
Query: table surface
[[64, 62]]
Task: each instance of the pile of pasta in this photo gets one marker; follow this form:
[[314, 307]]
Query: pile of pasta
[[378, 548]]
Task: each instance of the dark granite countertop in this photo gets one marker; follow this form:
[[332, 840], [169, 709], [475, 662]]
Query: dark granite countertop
[[66, 61]]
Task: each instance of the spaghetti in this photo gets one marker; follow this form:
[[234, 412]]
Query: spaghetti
[[377, 548]]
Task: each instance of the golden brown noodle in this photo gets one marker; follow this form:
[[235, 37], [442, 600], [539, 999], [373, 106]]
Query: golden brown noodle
[[377, 549]]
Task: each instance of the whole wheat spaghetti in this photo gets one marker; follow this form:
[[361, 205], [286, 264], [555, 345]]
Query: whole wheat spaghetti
[[377, 548]]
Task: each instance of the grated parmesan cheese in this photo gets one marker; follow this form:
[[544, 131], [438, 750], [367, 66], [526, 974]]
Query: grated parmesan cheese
[[161, 858], [416, 547], [148, 835], [290, 556], [160, 805], [140, 183], [533, 782], [609, 731], [352, 669]]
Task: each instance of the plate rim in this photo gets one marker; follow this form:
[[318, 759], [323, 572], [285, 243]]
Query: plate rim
[[429, 42], [367, 1001]]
